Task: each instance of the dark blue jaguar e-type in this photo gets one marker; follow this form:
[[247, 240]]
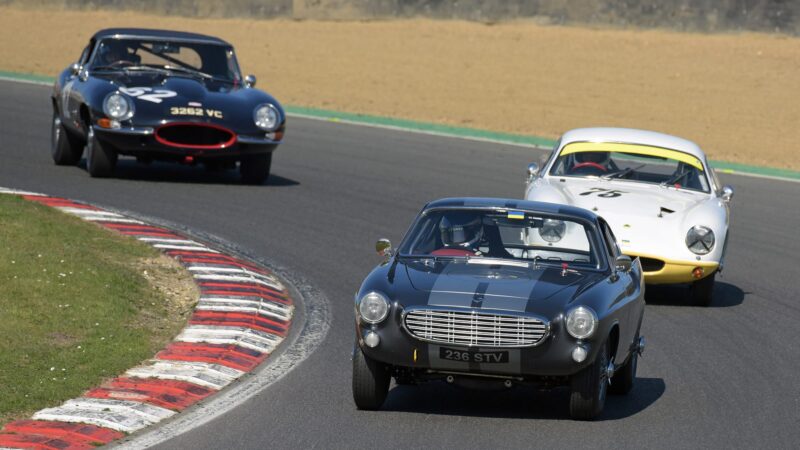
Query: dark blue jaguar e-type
[[163, 95], [505, 292]]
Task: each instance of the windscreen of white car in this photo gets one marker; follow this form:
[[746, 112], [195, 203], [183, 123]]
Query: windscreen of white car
[[634, 163]]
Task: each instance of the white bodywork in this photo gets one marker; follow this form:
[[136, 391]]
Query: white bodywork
[[639, 213]]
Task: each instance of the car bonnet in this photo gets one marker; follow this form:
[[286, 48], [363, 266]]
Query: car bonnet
[[455, 283]]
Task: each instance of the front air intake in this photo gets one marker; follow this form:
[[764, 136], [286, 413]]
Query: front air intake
[[195, 136], [651, 264]]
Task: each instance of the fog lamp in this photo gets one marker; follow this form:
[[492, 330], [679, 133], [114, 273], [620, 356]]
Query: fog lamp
[[371, 339], [579, 354]]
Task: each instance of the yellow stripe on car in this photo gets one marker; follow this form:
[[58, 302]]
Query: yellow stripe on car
[[635, 149]]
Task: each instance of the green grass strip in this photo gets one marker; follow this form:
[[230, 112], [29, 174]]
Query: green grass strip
[[454, 131], [412, 125], [75, 307]]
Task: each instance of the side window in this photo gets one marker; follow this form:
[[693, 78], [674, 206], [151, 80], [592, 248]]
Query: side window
[[546, 158], [86, 53], [611, 241]]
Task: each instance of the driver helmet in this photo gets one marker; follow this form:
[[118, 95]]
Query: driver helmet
[[111, 51], [601, 158], [460, 229]]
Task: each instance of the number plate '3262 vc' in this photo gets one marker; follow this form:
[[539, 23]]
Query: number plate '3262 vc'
[[453, 354]]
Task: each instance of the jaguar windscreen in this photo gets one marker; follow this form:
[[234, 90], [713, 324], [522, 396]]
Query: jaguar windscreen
[[630, 162], [504, 234], [193, 58]]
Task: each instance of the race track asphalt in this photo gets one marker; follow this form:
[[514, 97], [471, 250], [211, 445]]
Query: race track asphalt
[[723, 376]]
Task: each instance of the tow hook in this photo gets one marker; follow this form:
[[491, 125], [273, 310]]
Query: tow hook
[[640, 345]]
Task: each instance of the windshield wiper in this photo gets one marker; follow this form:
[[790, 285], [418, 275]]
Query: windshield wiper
[[188, 70], [621, 173], [675, 178], [496, 262], [143, 68], [114, 68], [196, 72]]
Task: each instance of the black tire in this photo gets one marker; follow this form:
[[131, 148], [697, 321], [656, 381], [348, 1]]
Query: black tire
[[624, 378], [65, 149], [370, 381], [589, 388], [100, 160], [702, 291], [255, 168]]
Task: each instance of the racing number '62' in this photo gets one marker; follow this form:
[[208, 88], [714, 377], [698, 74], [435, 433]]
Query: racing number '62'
[[602, 192]]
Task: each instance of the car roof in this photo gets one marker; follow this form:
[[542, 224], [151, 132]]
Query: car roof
[[632, 136], [157, 34], [506, 203]]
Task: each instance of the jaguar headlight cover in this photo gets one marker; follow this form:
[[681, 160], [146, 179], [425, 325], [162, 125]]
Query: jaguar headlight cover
[[117, 106], [581, 322], [267, 117], [552, 230], [373, 308], [700, 240]]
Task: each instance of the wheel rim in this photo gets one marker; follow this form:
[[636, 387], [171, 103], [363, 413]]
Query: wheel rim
[[56, 134], [604, 380], [89, 149]]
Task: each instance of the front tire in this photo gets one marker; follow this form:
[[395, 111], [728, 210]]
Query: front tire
[[255, 168], [702, 291], [589, 388], [65, 149], [624, 378], [100, 160], [370, 381]]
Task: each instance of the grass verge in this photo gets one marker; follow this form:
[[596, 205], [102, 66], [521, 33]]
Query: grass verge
[[78, 304]]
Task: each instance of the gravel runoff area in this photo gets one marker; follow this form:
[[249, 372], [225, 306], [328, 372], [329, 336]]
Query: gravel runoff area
[[737, 95]]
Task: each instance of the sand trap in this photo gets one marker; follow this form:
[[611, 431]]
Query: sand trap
[[737, 95]]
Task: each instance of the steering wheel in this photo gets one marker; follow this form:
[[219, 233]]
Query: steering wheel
[[593, 165]]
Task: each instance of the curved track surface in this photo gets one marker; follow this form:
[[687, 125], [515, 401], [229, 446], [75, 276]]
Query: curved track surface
[[711, 377]]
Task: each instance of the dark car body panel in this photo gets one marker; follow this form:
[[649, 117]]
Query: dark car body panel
[[78, 99], [547, 292]]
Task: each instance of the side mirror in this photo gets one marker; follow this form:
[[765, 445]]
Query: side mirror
[[250, 81], [383, 247], [75, 68], [623, 263], [727, 193], [533, 170]]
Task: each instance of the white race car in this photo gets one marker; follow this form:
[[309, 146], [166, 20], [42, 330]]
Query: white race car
[[658, 193]]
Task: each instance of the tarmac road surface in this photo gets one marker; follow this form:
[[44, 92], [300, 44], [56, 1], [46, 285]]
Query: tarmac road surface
[[726, 375]]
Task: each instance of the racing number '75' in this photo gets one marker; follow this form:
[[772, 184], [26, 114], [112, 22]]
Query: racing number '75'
[[602, 192]]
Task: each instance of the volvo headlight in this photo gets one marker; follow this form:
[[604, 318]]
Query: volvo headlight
[[700, 240], [117, 106], [552, 230], [267, 117], [373, 308], [581, 322]]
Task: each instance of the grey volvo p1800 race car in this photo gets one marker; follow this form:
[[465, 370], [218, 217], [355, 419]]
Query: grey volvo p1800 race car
[[163, 95], [475, 293]]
